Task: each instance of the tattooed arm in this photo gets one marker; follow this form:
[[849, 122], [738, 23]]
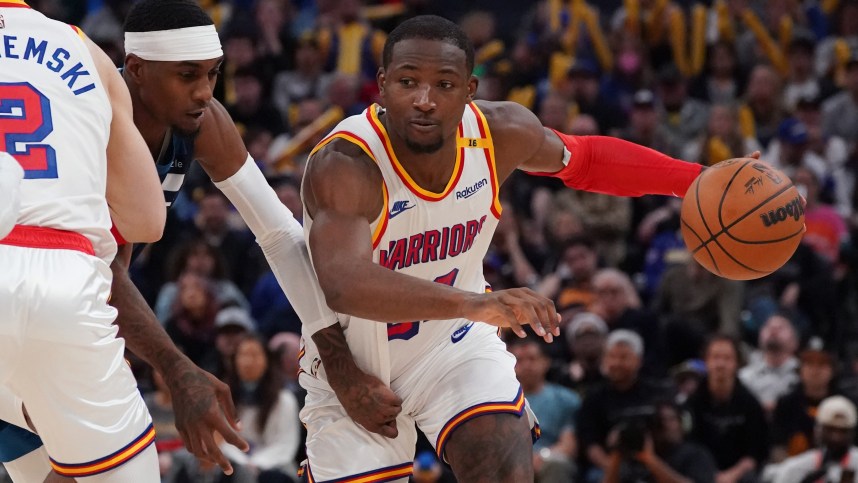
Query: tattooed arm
[[201, 402], [367, 400]]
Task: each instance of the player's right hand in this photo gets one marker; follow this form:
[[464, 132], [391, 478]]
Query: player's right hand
[[369, 402], [515, 308], [203, 410]]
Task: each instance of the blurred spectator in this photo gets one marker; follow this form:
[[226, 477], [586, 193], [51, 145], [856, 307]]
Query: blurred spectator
[[623, 398], [605, 218], [693, 304], [840, 113], [644, 127], [773, 368], [275, 40], [585, 337], [268, 414], [554, 406], [286, 347], [582, 87], [826, 229], [722, 140], [687, 377], [480, 27], [251, 108], [832, 149], [836, 457], [802, 80], [351, 46], [306, 81], [104, 25], [684, 118], [510, 260], [793, 419], [845, 37], [343, 91], [791, 150], [554, 112], [231, 325], [571, 284], [762, 113], [212, 223], [190, 321], [619, 305], [198, 257], [723, 82], [727, 419], [664, 456]]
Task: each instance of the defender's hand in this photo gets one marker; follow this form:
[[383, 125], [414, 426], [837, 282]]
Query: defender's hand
[[203, 405], [368, 401], [515, 308]]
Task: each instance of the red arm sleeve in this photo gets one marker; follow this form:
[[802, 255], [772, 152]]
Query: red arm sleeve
[[616, 167]]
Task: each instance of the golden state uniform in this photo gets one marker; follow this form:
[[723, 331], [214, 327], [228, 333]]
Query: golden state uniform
[[446, 371], [58, 347]]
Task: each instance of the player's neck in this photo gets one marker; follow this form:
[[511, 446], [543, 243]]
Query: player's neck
[[431, 171]]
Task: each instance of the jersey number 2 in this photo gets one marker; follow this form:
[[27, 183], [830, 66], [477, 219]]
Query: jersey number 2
[[407, 330], [25, 121]]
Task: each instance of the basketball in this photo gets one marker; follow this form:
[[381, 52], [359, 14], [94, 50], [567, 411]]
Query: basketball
[[742, 219]]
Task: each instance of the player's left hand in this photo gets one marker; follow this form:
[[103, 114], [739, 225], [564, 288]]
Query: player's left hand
[[203, 406]]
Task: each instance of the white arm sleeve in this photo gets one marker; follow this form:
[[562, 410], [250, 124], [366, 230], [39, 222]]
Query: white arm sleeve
[[11, 175], [282, 240]]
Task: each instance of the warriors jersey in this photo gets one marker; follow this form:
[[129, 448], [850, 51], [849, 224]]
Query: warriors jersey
[[434, 236], [173, 164], [55, 120]]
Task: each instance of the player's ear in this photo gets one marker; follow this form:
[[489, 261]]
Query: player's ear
[[473, 83], [134, 67], [379, 78]]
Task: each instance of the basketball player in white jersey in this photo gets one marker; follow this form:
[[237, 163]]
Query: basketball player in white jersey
[[401, 203], [65, 116], [11, 175]]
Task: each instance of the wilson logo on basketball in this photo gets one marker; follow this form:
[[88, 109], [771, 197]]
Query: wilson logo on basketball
[[793, 210]]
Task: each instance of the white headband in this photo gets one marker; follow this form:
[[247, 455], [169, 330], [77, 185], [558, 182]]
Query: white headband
[[191, 43]]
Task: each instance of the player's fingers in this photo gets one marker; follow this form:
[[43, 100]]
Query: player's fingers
[[190, 443], [389, 430], [229, 435], [224, 398], [528, 316], [754, 155], [389, 397], [544, 309], [509, 319], [214, 454]]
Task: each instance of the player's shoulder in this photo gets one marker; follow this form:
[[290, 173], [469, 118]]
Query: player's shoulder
[[507, 115], [511, 123], [340, 157]]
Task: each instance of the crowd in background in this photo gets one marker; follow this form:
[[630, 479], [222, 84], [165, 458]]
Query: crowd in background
[[664, 372]]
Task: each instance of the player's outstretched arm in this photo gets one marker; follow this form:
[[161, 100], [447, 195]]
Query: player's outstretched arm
[[343, 195], [134, 193], [223, 155], [202, 404], [591, 163]]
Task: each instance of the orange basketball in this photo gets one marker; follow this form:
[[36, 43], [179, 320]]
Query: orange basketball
[[742, 219]]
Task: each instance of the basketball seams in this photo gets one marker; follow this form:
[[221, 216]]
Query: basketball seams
[[708, 252]]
